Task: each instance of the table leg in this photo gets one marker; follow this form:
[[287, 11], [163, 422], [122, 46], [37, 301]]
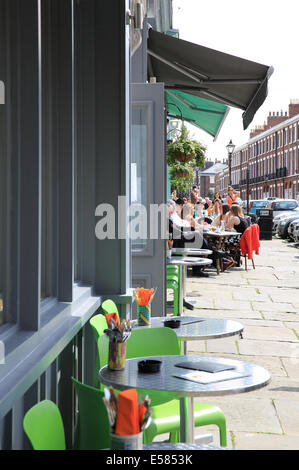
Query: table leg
[[181, 290], [183, 414], [187, 420], [190, 423]]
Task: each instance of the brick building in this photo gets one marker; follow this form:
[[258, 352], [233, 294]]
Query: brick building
[[208, 178], [270, 159]]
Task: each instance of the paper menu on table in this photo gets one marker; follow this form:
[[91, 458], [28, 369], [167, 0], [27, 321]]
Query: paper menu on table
[[208, 377]]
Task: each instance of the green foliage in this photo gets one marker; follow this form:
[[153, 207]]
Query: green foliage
[[189, 147], [181, 183], [200, 150]]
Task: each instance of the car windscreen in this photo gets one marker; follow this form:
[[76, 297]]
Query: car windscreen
[[259, 204], [284, 205]]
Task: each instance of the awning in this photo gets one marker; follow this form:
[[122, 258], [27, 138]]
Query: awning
[[207, 73], [206, 114]]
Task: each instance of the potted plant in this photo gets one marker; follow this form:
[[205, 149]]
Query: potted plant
[[184, 150]]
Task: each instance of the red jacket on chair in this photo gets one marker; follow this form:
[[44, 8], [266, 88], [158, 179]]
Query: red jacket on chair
[[250, 241]]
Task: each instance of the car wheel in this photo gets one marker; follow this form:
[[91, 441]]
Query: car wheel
[[284, 233]]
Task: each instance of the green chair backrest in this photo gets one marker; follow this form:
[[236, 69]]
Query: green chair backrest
[[43, 426], [93, 430], [108, 306], [99, 324], [144, 342], [152, 342]]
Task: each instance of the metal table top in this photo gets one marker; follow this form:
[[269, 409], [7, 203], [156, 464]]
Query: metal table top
[[181, 446], [204, 329], [189, 261], [165, 381], [191, 251], [221, 234]]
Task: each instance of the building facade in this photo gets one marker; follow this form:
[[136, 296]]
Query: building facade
[[268, 164], [208, 178]]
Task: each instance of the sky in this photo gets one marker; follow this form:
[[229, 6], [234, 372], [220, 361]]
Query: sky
[[263, 31]]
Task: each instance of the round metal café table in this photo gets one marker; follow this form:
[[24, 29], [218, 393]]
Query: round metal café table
[[197, 328], [219, 236], [191, 251], [165, 380], [182, 262], [181, 446]]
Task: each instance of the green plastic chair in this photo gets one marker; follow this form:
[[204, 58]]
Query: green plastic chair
[[93, 429], [43, 426], [166, 415], [98, 324], [108, 306], [173, 284]]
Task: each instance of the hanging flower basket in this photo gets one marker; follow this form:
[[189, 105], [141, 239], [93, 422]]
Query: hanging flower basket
[[181, 174], [183, 157]]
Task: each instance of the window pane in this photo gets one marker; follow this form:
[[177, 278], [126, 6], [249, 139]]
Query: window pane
[[2, 214], [139, 165]]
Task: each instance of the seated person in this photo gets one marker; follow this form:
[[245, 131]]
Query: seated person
[[178, 228], [224, 209], [187, 215], [236, 222]]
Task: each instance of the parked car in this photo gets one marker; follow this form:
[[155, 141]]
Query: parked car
[[296, 233], [283, 215], [283, 225], [291, 229], [280, 205], [257, 204]]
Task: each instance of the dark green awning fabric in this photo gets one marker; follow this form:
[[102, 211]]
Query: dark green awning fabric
[[208, 115], [207, 73]]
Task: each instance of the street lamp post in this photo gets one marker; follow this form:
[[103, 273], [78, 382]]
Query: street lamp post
[[230, 148], [247, 188]]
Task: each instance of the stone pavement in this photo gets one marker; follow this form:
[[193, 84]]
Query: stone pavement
[[266, 302]]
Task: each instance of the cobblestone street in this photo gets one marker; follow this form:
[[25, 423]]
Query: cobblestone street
[[266, 302]]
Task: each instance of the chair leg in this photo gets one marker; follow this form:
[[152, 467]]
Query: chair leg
[[174, 437], [245, 262], [175, 302], [222, 434], [253, 264]]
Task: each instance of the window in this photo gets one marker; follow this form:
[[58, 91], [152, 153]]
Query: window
[[284, 205], [3, 183], [139, 163]]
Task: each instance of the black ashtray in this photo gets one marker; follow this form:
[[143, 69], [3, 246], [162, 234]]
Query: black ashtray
[[172, 323], [149, 366]]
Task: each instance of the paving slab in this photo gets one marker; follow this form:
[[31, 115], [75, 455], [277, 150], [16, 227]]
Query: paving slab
[[274, 307], [222, 345], [291, 365], [268, 333], [261, 441], [244, 413], [233, 304], [288, 415], [282, 316], [269, 348]]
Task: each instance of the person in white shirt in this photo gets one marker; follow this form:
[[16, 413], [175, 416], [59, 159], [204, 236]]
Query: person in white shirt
[[176, 218]]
